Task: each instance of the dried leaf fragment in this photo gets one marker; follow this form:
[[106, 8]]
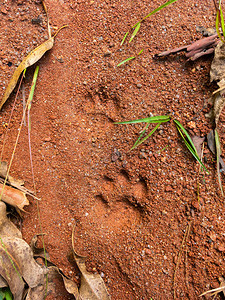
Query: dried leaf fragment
[[212, 147], [217, 73], [17, 265], [28, 61], [6, 226], [198, 141], [92, 285]]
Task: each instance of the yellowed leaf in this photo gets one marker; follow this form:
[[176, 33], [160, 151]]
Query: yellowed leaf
[[14, 197], [92, 285], [28, 61]]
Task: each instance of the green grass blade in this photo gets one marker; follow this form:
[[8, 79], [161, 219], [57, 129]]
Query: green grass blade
[[126, 60], [222, 21], [123, 40], [218, 24], [191, 148], [146, 137], [155, 119], [186, 134], [140, 51], [135, 32], [8, 294], [155, 11], [142, 133], [218, 153]]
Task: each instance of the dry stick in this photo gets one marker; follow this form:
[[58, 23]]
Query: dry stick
[[179, 257], [14, 104]]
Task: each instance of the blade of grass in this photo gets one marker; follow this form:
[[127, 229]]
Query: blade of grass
[[155, 119], [217, 25], [8, 294], [218, 153], [186, 134], [140, 136], [145, 138], [135, 32], [123, 40], [191, 148], [222, 21], [126, 60], [140, 51], [155, 11]]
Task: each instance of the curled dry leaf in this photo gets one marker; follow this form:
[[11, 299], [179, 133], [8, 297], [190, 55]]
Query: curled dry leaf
[[92, 285], [217, 73], [13, 196], [28, 61]]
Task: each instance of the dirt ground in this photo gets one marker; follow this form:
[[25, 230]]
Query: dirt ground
[[130, 209]]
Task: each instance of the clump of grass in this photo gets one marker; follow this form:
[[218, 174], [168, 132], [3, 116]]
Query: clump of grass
[[159, 120]]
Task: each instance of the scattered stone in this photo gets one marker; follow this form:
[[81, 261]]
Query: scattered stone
[[220, 248], [107, 53], [139, 85], [143, 155], [47, 139], [168, 188], [116, 155], [3, 11], [191, 125]]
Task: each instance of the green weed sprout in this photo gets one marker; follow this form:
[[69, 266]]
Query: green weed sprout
[[162, 119], [157, 119]]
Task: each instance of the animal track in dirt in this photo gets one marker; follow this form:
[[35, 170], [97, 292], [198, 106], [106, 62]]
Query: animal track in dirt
[[121, 197], [102, 100]]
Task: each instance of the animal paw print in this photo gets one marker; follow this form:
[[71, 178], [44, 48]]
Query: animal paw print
[[119, 203]]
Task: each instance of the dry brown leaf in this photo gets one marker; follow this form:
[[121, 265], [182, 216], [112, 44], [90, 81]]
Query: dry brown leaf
[[212, 147], [70, 285], [6, 226], [217, 73], [92, 285], [28, 61], [13, 196], [17, 265], [3, 174], [198, 141]]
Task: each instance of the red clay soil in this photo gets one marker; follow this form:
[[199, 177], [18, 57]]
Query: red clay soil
[[130, 209]]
